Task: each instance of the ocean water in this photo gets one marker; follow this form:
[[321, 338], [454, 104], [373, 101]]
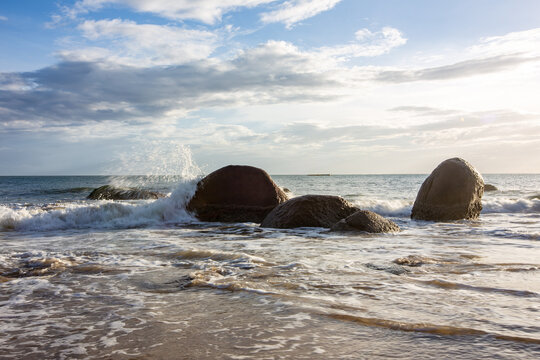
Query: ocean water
[[146, 280]]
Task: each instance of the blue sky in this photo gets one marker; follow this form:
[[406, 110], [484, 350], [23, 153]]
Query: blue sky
[[297, 86]]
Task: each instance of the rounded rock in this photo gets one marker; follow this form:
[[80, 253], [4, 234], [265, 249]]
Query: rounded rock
[[489, 187], [368, 221], [309, 211], [236, 193], [453, 191]]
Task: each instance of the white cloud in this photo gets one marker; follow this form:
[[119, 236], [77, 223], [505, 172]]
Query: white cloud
[[292, 11], [460, 69], [367, 43], [3, 18], [78, 92], [129, 43], [521, 42], [206, 11]]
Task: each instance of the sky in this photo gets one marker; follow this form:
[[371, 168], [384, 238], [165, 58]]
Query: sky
[[294, 87]]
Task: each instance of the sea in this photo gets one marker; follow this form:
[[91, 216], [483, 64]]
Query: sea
[[87, 279]]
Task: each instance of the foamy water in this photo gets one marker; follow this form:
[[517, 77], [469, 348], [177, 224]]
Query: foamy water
[[144, 279]]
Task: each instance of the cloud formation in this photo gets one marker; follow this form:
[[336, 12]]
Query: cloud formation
[[520, 42], [293, 11], [129, 89], [458, 70], [141, 45], [367, 44], [206, 11], [89, 91]]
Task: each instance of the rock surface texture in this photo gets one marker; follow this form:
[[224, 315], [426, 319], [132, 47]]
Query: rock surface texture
[[453, 191], [109, 192], [365, 220], [236, 193], [309, 211]]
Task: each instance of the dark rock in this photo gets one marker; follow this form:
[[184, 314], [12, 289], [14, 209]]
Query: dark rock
[[453, 191], [309, 211], [489, 187], [392, 269], [108, 192], [365, 220], [236, 193]]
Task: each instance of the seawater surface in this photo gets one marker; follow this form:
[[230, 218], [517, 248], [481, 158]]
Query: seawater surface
[[146, 280]]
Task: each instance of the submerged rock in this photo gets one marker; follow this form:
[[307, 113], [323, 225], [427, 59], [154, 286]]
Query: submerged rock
[[236, 193], [392, 269], [309, 211], [365, 220], [413, 260], [109, 192], [453, 191], [35, 267], [489, 187]]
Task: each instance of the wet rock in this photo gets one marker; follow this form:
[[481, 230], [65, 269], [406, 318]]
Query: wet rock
[[413, 260], [109, 192], [35, 267], [365, 220], [489, 187], [392, 269], [236, 193], [453, 191], [309, 211]]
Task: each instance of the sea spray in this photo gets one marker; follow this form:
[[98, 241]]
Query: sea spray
[[159, 162]]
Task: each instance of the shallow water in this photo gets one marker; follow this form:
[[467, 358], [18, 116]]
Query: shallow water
[[145, 280]]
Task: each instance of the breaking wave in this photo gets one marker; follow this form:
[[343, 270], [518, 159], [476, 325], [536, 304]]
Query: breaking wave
[[397, 208], [505, 205], [102, 214], [402, 208]]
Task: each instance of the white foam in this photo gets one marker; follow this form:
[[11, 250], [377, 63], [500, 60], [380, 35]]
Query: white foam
[[402, 208], [398, 208], [510, 205], [102, 214]]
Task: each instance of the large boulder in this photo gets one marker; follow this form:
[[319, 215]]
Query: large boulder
[[236, 193], [453, 191], [109, 192], [365, 220], [309, 211]]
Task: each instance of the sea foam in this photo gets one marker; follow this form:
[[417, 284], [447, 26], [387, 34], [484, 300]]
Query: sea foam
[[396, 208], [511, 205], [101, 214]]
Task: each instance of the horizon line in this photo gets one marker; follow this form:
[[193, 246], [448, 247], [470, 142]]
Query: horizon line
[[306, 174]]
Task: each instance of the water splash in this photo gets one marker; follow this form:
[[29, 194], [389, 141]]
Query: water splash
[[154, 162]]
